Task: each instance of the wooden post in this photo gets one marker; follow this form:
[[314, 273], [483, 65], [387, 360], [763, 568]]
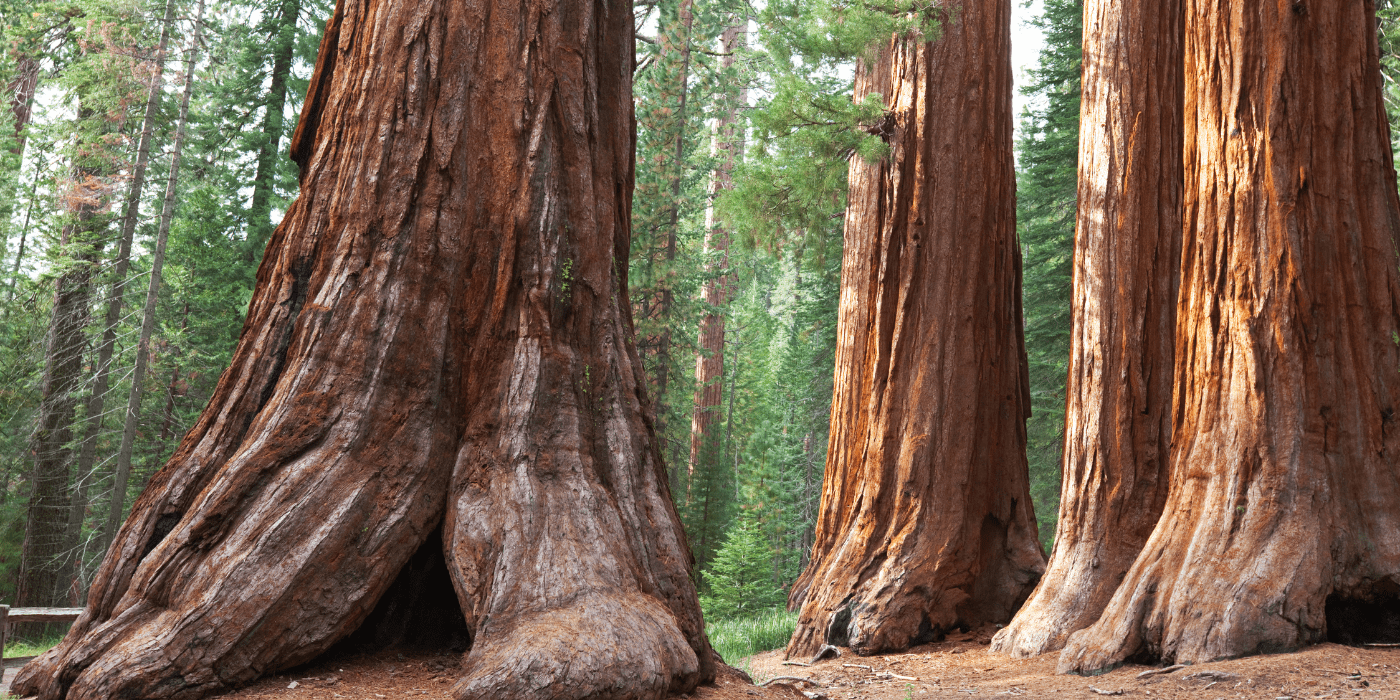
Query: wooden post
[[4, 635]]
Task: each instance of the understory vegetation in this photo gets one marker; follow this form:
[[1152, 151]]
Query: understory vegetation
[[738, 638]]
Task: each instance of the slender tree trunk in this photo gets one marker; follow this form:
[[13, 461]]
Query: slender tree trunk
[[44, 567], [96, 403], [1280, 526], [709, 362], [1127, 258], [440, 334], [20, 89], [926, 520], [122, 471], [663, 350], [273, 128], [23, 235], [168, 422]]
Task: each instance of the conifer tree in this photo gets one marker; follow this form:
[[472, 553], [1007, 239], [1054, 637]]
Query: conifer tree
[[1045, 211], [740, 580]]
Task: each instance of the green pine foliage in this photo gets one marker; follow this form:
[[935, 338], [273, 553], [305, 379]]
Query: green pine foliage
[[1045, 209], [676, 97], [97, 63], [740, 580], [1388, 30]]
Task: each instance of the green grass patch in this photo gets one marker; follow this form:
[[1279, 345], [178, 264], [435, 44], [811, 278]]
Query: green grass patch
[[738, 638], [16, 648]]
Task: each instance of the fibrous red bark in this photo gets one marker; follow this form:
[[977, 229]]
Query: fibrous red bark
[[1127, 257], [439, 335], [926, 520], [1284, 506]]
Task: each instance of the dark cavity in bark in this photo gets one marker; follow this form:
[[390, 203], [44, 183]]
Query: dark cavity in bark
[[418, 612]]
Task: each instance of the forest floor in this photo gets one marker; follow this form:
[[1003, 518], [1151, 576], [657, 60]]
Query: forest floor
[[958, 667]]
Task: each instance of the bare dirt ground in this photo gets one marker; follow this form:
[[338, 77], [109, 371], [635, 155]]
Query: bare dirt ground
[[958, 667], [961, 667]]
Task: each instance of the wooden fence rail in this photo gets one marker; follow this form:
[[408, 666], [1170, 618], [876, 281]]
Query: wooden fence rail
[[9, 615]]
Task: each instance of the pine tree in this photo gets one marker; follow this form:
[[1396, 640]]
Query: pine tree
[[740, 579], [1045, 211]]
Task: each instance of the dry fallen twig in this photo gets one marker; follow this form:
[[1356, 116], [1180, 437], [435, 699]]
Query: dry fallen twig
[[1100, 691], [1155, 671], [1212, 675], [890, 674], [796, 663], [775, 679]]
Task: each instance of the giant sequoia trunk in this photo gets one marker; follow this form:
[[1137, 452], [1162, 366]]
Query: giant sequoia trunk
[[1127, 253], [439, 336], [1282, 526], [926, 519]]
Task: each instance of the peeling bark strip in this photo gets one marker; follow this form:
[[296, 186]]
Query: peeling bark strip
[[440, 331], [1127, 257], [926, 518], [1284, 499]]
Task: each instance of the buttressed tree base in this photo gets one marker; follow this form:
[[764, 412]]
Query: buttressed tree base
[[439, 338], [1127, 256], [1282, 525], [926, 520]]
